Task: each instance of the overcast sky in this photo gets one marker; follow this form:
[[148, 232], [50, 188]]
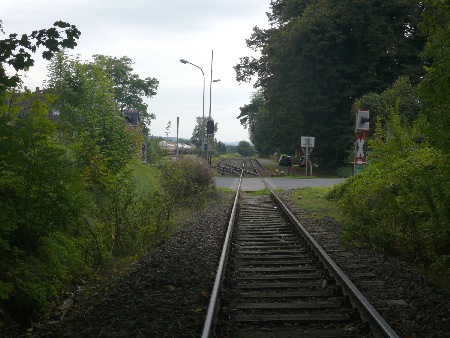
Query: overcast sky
[[156, 34]]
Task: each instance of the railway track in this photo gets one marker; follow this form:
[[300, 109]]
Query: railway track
[[247, 166], [274, 280]]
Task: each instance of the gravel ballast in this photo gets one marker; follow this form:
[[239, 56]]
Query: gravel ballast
[[166, 293]]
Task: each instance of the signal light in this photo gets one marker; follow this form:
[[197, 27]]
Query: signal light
[[210, 127], [362, 120]]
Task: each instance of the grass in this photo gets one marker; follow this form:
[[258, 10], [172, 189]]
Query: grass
[[314, 200], [262, 192]]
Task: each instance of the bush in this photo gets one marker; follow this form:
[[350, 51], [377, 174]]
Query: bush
[[39, 279], [187, 178], [399, 203]]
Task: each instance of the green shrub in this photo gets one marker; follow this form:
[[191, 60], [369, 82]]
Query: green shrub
[[400, 202], [187, 179], [35, 281]]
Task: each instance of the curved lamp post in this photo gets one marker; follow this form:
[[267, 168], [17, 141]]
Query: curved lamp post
[[203, 116]]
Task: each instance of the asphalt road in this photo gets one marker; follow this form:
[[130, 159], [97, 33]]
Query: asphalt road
[[285, 183]]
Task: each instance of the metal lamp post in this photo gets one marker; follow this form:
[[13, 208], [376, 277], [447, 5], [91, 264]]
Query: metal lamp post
[[209, 116], [203, 116]]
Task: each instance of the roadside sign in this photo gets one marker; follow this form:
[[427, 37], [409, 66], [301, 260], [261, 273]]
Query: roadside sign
[[307, 141], [307, 144]]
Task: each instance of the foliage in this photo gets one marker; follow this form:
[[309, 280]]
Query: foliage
[[221, 148], [99, 138], [187, 179], [244, 148], [69, 200], [153, 151], [74, 193], [16, 51], [40, 197], [199, 132], [317, 57], [254, 116], [398, 203], [402, 95], [435, 88], [129, 88]]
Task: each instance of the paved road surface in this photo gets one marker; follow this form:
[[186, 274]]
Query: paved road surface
[[254, 184]]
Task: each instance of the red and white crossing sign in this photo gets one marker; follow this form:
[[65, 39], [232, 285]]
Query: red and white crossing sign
[[360, 157]]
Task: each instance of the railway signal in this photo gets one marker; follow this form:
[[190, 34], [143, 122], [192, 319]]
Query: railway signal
[[210, 127], [362, 120]]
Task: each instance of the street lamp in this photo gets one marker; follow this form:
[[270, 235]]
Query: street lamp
[[208, 156], [203, 116]]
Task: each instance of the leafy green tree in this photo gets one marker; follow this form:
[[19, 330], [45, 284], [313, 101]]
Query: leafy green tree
[[40, 196], [402, 95], [129, 88], [316, 57], [16, 51], [197, 133], [244, 148], [221, 148], [196, 138], [435, 88], [101, 142], [254, 117], [62, 81]]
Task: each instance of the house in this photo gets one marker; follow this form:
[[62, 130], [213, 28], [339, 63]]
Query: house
[[132, 117]]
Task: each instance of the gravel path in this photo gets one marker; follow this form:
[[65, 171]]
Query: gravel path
[[166, 293]]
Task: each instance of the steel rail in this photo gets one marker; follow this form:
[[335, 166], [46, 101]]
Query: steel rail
[[377, 323], [379, 327], [213, 306]]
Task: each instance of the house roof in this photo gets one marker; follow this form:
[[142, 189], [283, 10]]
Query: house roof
[[132, 117]]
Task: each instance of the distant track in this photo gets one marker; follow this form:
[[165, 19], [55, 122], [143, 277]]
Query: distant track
[[234, 166]]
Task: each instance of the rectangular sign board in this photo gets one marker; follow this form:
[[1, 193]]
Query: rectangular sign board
[[362, 120], [307, 142]]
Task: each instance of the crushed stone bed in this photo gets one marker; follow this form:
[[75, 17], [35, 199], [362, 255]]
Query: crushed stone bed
[[166, 293]]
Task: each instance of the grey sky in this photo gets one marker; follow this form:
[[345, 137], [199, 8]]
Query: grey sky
[[156, 34]]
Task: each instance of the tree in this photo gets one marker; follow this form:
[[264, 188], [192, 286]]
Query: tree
[[129, 88], [244, 148], [221, 148], [254, 117], [98, 134], [317, 56], [40, 196], [63, 82], [435, 88], [401, 96], [16, 51], [197, 135]]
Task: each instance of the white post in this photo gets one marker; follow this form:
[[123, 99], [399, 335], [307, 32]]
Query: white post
[[178, 124], [306, 160]]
